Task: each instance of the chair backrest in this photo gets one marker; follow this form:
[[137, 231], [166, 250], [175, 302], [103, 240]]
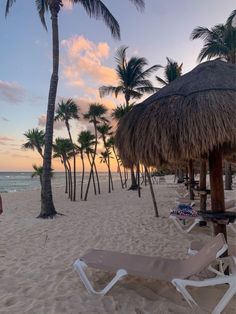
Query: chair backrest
[[207, 254]]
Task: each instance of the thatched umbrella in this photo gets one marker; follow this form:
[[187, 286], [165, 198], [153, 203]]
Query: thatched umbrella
[[192, 117]]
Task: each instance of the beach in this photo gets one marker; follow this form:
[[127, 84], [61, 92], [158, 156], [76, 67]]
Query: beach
[[37, 256]]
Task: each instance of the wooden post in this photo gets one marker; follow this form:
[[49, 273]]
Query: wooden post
[[217, 187], [191, 179], [202, 184], [152, 192]]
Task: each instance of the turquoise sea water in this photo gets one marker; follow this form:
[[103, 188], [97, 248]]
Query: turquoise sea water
[[22, 181]]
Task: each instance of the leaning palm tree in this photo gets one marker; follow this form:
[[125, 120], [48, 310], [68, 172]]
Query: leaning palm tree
[[35, 140], [96, 9], [95, 115], [133, 80], [171, 71], [219, 42], [65, 112], [86, 142]]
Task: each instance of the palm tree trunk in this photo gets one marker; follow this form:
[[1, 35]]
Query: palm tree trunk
[[74, 160], [66, 178], [47, 205], [82, 179], [202, 184], [118, 166], [70, 180], [134, 185], [96, 173]]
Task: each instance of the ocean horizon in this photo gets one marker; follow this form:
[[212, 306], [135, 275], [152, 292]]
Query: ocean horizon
[[16, 181]]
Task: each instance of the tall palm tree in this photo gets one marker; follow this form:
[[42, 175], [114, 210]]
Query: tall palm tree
[[219, 41], [65, 112], [63, 149], [96, 9], [133, 80], [105, 158], [95, 115], [87, 142], [171, 71], [35, 140]]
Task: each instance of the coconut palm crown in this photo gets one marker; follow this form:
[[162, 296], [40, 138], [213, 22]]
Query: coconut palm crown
[[219, 42], [171, 71], [133, 79]]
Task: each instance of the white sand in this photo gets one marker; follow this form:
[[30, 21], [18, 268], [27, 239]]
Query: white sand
[[36, 256]]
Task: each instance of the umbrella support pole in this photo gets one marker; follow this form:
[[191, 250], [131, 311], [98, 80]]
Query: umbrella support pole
[[217, 187]]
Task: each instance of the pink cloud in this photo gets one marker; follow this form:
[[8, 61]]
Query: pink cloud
[[11, 92], [83, 62]]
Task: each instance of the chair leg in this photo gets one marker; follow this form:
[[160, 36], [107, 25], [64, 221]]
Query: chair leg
[[80, 267], [181, 284]]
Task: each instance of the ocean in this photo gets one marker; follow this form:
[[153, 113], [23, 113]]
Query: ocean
[[22, 181]]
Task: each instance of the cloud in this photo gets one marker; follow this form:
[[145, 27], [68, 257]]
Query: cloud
[[4, 140], [4, 119], [82, 62], [58, 125], [11, 92], [67, 5]]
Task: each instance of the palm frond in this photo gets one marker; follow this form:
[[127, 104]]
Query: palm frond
[[97, 9], [42, 7], [231, 18]]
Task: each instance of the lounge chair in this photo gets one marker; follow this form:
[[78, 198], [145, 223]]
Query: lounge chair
[[186, 223], [175, 271]]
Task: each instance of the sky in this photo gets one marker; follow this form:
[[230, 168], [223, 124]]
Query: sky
[[87, 52]]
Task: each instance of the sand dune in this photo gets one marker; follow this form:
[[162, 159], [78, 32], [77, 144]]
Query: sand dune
[[36, 256]]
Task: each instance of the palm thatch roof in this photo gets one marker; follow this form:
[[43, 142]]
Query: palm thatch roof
[[184, 120]]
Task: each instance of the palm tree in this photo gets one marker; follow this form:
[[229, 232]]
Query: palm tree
[[133, 83], [133, 79], [87, 141], [96, 9], [171, 71], [35, 140], [38, 171], [105, 130], [105, 158], [67, 111], [120, 111], [63, 149], [219, 41], [111, 143], [95, 115]]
